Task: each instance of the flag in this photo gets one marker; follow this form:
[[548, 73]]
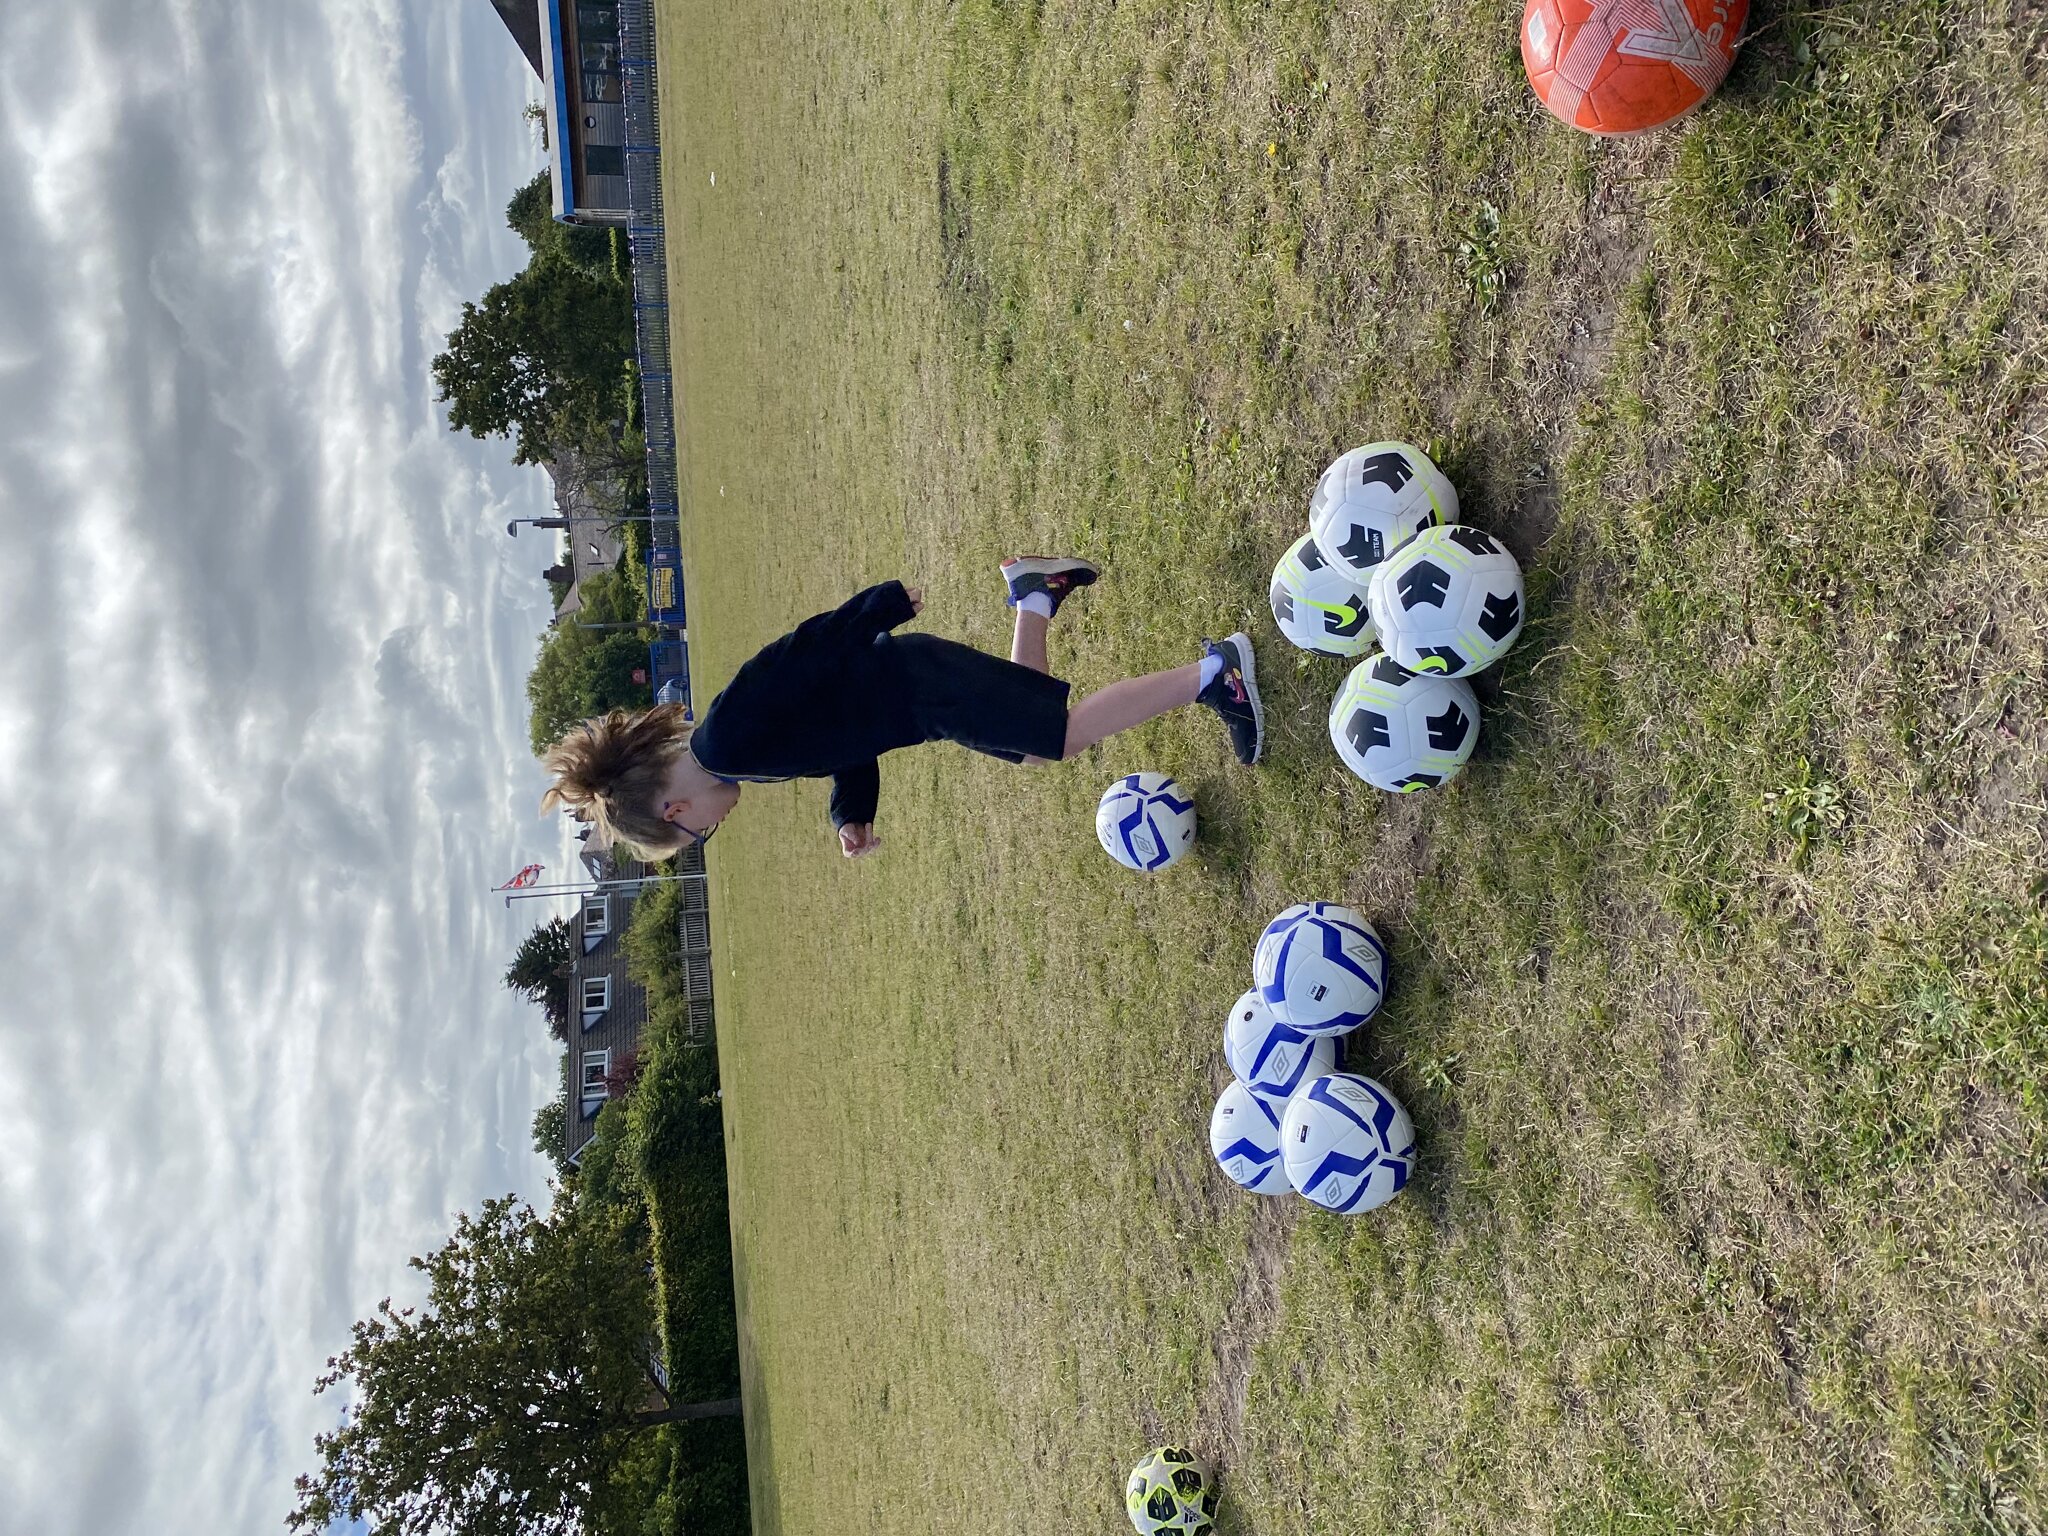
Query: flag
[[522, 880]]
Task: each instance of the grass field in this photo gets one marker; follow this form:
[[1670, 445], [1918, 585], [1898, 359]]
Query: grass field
[[1719, 977]]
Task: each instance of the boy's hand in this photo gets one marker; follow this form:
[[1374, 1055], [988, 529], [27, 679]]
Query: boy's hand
[[858, 839], [916, 596]]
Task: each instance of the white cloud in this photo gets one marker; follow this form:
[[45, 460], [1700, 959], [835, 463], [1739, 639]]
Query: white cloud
[[264, 730]]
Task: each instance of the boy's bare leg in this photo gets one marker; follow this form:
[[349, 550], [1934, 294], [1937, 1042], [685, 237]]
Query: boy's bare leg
[[1027, 641], [1125, 704]]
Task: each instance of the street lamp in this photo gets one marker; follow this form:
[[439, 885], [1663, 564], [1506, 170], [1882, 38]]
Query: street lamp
[[512, 528]]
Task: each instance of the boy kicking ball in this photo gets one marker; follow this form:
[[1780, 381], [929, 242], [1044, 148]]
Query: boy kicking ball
[[839, 690]]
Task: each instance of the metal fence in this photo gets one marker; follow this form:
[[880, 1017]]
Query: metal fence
[[650, 264], [668, 658]]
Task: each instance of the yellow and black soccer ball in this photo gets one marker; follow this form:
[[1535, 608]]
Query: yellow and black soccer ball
[[1171, 1493]]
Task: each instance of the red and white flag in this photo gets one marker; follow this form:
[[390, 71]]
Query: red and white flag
[[522, 880]]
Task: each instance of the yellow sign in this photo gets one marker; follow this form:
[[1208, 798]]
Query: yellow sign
[[662, 588]]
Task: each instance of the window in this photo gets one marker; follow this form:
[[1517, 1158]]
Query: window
[[597, 997], [604, 160], [597, 917], [597, 1066]]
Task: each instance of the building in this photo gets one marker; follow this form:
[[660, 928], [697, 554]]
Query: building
[[587, 517], [574, 46], [608, 1009], [522, 20]]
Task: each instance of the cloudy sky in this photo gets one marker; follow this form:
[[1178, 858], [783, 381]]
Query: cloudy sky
[[262, 725]]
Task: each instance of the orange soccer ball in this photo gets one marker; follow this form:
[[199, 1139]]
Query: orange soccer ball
[[1623, 66]]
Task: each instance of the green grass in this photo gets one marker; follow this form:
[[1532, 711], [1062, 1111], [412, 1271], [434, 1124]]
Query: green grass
[[1720, 998]]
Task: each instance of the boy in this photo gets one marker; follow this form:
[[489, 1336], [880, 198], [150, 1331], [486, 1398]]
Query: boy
[[839, 690]]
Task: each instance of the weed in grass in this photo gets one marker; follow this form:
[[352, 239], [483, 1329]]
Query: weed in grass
[[1805, 809], [1479, 258]]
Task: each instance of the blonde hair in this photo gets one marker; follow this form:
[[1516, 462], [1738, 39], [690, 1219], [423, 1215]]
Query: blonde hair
[[611, 772]]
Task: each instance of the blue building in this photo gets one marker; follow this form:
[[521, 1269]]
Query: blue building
[[573, 45]]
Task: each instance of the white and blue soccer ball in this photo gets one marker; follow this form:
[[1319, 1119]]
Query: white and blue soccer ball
[[1449, 601], [1244, 1133], [1319, 606], [1145, 821], [1320, 968], [1347, 1144], [1375, 499], [1402, 731], [1268, 1057]]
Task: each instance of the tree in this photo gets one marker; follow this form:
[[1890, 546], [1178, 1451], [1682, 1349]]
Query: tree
[[500, 1406], [585, 672], [541, 359], [550, 1122], [531, 215], [541, 970]]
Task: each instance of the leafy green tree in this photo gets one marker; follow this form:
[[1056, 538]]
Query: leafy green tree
[[540, 970], [531, 213], [550, 1122], [503, 1404], [584, 672], [540, 359]]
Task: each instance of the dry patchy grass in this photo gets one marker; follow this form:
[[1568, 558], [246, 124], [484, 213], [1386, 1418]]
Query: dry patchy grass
[[1720, 997]]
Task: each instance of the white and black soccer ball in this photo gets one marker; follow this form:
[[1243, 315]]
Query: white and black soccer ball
[[1403, 731], [1319, 606], [1244, 1133], [1145, 821], [1375, 499], [1449, 601], [1268, 1057], [1320, 968], [1171, 1492], [1347, 1143]]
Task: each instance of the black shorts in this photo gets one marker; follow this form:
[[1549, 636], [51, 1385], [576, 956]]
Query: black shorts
[[985, 702]]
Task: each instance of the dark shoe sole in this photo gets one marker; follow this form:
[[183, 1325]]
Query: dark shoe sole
[[1249, 666]]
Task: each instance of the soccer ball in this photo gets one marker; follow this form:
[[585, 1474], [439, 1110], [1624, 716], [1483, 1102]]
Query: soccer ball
[[1373, 500], [1268, 1057], [1449, 601], [1317, 605], [1244, 1133], [1171, 1491], [1624, 66], [1144, 821], [1347, 1143], [1320, 968], [1403, 731]]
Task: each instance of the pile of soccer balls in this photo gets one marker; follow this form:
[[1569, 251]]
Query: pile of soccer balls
[[1386, 563], [1289, 1120]]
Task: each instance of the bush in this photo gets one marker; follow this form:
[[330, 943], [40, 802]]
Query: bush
[[677, 1141]]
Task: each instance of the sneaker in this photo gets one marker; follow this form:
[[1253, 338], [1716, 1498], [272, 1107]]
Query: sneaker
[[1054, 577], [1235, 695]]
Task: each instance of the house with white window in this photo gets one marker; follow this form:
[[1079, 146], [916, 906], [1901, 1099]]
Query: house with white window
[[609, 1008]]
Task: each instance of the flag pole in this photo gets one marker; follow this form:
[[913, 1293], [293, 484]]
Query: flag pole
[[596, 888]]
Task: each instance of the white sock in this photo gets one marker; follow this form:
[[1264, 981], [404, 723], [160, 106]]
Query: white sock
[[1039, 603], [1212, 666]]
